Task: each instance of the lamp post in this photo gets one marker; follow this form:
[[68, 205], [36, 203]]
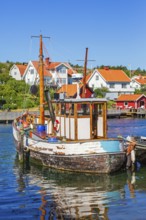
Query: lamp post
[[130, 70]]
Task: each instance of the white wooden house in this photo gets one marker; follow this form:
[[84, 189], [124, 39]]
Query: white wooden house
[[116, 81], [31, 75], [17, 71], [61, 72], [138, 81], [55, 73]]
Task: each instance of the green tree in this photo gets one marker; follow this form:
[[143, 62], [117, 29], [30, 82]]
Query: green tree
[[100, 92], [15, 94]]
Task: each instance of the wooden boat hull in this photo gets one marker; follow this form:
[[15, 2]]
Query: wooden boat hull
[[102, 156], [96, 163]]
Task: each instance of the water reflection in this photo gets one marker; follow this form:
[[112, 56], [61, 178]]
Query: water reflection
[[131, 181], [73, 195]]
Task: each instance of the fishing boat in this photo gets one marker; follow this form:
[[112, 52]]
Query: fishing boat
[[73, 137]]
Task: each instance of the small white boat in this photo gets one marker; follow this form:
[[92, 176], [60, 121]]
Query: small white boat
[[73, 138]]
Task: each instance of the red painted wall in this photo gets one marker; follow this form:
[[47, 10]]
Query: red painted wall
[[131, 104], [88, 93]]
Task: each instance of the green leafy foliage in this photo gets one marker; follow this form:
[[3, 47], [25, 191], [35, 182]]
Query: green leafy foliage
[[100, 92], [141, 91], [140, 71], [15, 93]]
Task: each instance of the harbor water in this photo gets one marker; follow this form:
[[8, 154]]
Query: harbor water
[[33, 192]]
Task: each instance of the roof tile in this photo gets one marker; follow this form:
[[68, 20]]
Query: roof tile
[[21, 68], [129, 97], [70, 89], [111, 75]]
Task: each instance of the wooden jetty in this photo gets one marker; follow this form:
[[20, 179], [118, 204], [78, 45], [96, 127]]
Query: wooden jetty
[[9, 116], [116, 113], [135, 113], [141, 113], [113, 113]]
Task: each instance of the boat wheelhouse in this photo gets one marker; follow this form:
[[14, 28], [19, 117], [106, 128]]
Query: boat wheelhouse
[[81, 119]]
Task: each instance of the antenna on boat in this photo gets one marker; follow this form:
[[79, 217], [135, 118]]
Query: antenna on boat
[[85, 71], [41, 75]]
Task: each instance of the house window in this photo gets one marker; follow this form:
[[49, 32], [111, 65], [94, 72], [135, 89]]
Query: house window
[[32, 71], [15, 73], [62, 81], [97, 77], [141, 103], [62, 70], [124, 86], [112, 85]]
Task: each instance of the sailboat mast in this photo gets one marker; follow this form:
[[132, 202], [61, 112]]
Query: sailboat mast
[[41, 74], [84, 77]]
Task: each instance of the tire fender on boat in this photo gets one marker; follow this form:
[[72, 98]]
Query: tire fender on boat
[[26, 149]]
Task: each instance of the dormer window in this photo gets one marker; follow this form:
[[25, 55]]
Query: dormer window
[[32, 71], [97, 77], [62, 70]]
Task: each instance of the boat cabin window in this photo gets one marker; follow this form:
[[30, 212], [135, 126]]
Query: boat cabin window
[[57, 109], [67, 109], [71, 109], [83, 109], [63, 108], [100, 109], [96, 111]]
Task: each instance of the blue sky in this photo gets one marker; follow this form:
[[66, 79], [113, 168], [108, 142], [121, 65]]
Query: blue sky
[[113, 30]]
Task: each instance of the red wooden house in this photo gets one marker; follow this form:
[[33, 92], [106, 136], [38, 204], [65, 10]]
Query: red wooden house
[[134, 101]]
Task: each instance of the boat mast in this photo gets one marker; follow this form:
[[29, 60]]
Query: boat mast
[[41, 74], [84, 77]]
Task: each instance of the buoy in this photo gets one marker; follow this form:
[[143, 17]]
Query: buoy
[[56, 125]]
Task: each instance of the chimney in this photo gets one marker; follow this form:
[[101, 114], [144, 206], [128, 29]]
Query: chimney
[[140, 76], [106, 67], [47, 60]]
